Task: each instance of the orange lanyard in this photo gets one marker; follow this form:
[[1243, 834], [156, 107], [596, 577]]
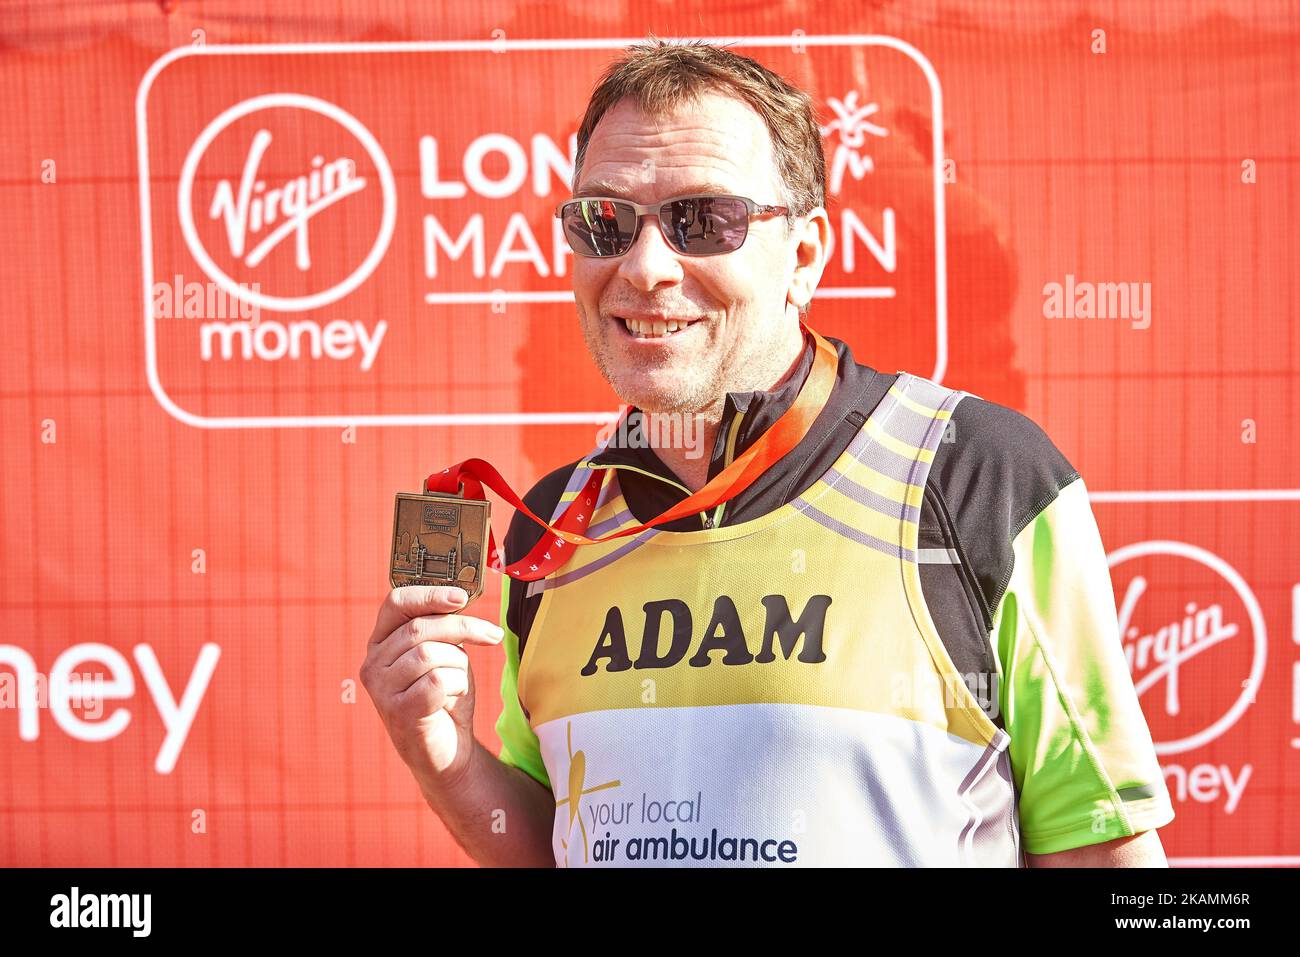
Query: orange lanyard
[[570, 528]]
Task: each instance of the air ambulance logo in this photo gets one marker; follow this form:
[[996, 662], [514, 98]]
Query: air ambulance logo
[[286, 201], [572, 801], [1193, 635]]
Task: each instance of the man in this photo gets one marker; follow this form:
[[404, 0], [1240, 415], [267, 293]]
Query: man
[[897, 646]]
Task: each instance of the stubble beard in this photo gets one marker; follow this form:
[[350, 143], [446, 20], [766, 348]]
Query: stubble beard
[[688, 391]]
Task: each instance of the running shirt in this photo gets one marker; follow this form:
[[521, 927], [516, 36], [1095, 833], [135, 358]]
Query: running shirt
[[797, 685]]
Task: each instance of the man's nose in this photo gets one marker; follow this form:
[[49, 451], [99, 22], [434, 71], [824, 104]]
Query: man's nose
[[651, 262]]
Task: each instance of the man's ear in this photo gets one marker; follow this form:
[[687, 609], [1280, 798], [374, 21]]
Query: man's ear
[[811, 243]]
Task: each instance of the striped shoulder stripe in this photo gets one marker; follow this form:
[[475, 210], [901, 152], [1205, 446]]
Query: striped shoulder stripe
[[577, 479], [853, 533], [864, 487], [894, 488], [621, 517], [925, 396], [610, 515], [888, 439], [924, 402], [621, 548], [879, 484]]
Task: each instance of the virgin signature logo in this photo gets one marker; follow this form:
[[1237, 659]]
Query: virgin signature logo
[[285, 209], [1164, 650]]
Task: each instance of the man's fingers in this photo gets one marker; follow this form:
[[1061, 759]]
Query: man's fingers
[[411, 601], [451, 629], [442, 630], [425, 656], [432, 690]]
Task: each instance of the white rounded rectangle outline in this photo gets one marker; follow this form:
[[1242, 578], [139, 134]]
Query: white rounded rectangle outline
[[508, 418]]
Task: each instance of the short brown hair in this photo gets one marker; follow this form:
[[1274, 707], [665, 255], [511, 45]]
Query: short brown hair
[[660, 76]]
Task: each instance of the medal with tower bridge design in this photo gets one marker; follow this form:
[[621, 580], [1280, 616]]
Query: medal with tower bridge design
[[439, 539]]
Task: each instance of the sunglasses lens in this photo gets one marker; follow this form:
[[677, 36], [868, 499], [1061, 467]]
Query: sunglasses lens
[[704, 226], [599, 227]]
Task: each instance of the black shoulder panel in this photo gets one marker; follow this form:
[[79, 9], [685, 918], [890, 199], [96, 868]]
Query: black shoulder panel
[[996, 473]]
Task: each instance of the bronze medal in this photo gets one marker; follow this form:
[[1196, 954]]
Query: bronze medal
[[439, 539]]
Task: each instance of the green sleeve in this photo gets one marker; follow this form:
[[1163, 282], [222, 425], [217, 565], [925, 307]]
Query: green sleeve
[[1082, 756], [519, 746]]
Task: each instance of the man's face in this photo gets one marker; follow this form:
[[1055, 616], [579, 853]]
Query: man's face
[[741, 322]]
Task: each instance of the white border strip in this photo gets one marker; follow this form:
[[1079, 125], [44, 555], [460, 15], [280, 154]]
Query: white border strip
[[1201, 495], [506, 296], [1282, 861], [605, 43]]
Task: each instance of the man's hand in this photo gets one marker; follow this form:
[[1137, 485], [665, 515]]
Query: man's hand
[[419, 677]]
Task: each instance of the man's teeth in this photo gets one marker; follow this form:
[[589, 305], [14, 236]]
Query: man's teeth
[[654, 328]]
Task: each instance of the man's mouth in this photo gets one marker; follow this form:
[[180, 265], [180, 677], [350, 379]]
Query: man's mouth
[[654, 327]]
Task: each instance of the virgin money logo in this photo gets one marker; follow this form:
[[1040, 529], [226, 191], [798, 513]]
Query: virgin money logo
[[277, 218], [1194, 638]]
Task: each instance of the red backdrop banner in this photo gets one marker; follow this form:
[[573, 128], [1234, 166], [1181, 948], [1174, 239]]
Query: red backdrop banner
[[262, 271]]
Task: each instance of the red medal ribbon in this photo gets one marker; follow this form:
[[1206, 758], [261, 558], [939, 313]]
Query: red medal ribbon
[[569, 529]]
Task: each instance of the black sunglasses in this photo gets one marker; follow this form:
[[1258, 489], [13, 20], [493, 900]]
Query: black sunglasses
[[705, 225]]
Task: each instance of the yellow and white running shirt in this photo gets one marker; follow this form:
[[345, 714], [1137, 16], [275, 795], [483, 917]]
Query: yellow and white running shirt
[[772, 692]]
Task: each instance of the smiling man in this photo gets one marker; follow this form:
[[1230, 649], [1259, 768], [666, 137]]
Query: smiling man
[[895, 645]]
